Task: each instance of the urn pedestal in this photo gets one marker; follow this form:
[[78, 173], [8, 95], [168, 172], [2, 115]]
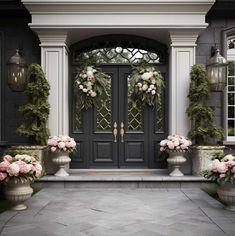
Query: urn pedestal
[[18, 192], [226, 194], [176, 160], [61, 159]]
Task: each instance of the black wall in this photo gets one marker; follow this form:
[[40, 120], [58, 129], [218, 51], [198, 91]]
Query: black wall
[[14, 34]]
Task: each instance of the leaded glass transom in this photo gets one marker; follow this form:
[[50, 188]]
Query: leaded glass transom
[[104, 111], [119, 55]]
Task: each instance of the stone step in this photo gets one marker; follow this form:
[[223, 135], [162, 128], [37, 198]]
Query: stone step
[[122, 179]]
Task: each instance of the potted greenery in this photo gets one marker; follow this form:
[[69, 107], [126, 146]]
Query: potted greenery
[[204, 131], [35, 117], [222, 171]]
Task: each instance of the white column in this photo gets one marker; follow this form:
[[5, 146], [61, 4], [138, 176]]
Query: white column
[[54, 60], [182, 58]]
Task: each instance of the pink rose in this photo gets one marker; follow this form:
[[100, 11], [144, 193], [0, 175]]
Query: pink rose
[[222, 175], [67, 144], [38, 169], [13, 169], [19, 157], [61, 145], [222, 168], [170, 145], [229, 164], [214, 165], [4, 165], [176, 143], [24, 168], [72, 144], [183, 146], [161, 149], [7, 158], [163, 143], [53, 149], [3, 176], [233, 170]]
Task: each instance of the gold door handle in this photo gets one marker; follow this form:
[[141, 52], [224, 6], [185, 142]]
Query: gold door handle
[[115, 132], [122, 132]]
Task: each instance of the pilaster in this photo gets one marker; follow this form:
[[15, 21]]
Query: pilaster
[[54, 60], [183, 43]]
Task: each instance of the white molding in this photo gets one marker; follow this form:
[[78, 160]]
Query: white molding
[[54, 60], [117, 14], [182, 58]]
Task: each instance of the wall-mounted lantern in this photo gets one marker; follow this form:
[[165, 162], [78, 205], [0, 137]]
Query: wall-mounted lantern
[[17, 72], [217, 71]]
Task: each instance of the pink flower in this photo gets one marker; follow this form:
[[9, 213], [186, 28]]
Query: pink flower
[[68, 144], [13, 169], [230, 164], [19, 157], [170, 145], [3, 176], [52, 142], [161, 149], [72, 144], [53, 149], [24, 168], [7, 158], [163, 143], [229, 157], [233, 170], [222, 175], [222, 168], [183, 146], [4, 165], [214, 165], [38, 169], [61, 145], [176, 143]]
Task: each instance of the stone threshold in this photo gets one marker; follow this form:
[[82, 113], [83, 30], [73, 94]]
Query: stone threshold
[[122, 178]]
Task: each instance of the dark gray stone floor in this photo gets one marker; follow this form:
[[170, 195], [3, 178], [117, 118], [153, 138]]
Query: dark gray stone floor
[[117, 212]]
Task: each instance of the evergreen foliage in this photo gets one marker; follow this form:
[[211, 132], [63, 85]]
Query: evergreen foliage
[[146, 85], [203, 126], [90, 84], [36, 111]]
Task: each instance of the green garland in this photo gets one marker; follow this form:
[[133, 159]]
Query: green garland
[[146, 84], [90, 84]]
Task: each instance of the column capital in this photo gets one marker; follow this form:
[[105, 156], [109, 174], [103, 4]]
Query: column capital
[[53, 38], [184, 37]]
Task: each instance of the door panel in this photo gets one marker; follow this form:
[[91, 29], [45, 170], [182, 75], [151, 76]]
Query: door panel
[[133, 152], [143, 129]]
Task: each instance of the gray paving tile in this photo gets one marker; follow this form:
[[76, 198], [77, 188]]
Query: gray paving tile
[[122, 212]]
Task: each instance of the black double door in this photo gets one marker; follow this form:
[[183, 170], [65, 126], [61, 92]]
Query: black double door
[[118, 133]]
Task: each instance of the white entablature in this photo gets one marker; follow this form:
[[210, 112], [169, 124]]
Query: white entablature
[[120, 14]]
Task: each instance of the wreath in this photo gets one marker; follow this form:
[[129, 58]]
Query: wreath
[[91, 84], [146, 84]]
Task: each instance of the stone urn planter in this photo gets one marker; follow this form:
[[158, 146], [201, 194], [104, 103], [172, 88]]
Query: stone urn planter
[[18, 192], [202, 157], [226, 194], [61, 159], [176, 159]]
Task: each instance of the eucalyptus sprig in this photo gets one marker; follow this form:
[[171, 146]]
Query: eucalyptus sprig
[[146, 85]]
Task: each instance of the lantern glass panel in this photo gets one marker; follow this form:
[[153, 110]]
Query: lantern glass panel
[[17, 76]]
